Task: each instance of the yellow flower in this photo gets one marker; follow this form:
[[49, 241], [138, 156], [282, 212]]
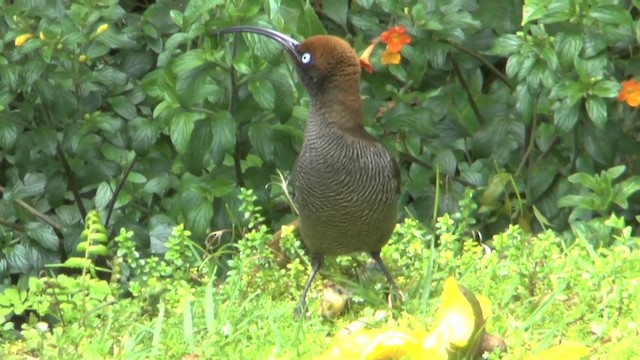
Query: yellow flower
[[365, 61], [102, 28], [564, 351], [458, 323], [287, 230], [82, 58], [20, 40], [380, 344], [41, 35], [456, 316], [390, 57]]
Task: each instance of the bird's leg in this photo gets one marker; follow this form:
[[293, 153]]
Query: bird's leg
[[316, 263], [375, 255]]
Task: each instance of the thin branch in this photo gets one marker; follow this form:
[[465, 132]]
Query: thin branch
[[546, 151], [73, 185], [233, 99], [112, 202], [12, 226], [574, 154], [44, 218], [408, 157], [482, 60], [529, 140], [463, 82]]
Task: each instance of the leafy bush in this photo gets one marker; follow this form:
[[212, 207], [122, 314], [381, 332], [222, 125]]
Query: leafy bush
[[143, 115], [543, 289]]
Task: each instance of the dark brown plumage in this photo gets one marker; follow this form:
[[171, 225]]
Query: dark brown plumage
[[346, 183]]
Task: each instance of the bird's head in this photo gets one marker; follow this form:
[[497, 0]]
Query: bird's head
[[323, 62]]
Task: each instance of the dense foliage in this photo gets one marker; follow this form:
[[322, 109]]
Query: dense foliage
[[144, 115], [129, 130], [543, 292]]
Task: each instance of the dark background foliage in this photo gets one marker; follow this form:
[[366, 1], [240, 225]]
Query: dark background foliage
[[157, 122]]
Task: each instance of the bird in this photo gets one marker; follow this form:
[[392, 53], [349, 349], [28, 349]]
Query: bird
[[346, 184]]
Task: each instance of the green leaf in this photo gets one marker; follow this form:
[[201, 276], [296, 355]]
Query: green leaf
[[495, 189], [97, 50], [123, 107], [447, 162], [263, 92], [568, 46], [34, 184], [171, 45], [593, 45], [540, 182], [195, 85], [8, 134], [199, 143], [524, 101], [550, 58], [18, 258], [46, 139], [571, 201], [598, 145], [583, 179], [365, 3], [606, 89], [96, 249], [223, 128], [78, 263], [137, 64], [55, 189], [565, 117], [177, 17], [199, 217], [616, 171], [514, 64], [189, 60], [506, 45], [597, 110], [308, 22], [336, 10], [283, 106], [181, 128], [158, 185], [221, 187], [144, 134], [630, 186], [111, 77], [533, 10], [261, 137], [611, 14], [263, 47], [571, 91], [103, 196], [43, 235], [401, 117]]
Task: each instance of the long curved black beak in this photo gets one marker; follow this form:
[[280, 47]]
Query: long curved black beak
[[290, 45]]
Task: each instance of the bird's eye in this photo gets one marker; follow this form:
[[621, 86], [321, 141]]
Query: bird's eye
[[306, 58]]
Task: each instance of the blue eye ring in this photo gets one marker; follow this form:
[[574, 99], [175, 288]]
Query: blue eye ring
[[306, 58]]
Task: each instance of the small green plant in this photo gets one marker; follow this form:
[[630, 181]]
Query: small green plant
[[153, 276], [599, 193]]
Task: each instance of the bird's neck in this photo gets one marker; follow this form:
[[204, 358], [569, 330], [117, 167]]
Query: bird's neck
[[343, 109]]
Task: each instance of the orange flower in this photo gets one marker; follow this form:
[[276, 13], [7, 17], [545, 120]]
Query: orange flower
[[390, 57], [395, 38], [365, 62], [630, 92]]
